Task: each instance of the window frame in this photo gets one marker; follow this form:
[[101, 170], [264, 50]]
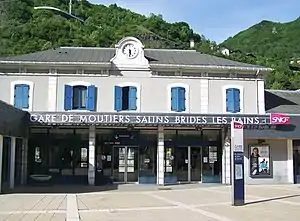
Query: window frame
[[241, 89], [138, 96], [80, 88], [79, 83], [31, 92], [187, 97]]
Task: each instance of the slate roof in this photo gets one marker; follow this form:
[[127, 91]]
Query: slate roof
[[282, 101], [86, 55]]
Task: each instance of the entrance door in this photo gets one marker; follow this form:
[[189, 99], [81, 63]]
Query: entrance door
[[196, 164], [74, 164], [125, 164], [210, 165], [296, 161], [189, 164], [182, 164]]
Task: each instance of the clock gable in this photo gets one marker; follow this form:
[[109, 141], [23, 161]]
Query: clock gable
[[130, 54]]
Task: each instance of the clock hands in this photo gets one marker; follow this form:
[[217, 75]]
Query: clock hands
[[130, 51]]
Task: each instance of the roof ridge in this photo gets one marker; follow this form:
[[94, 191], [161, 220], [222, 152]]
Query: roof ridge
[[70, 47], [170, 49], [146, 49]]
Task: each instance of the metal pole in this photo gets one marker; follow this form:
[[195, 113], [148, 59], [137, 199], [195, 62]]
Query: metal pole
[[70, 7]]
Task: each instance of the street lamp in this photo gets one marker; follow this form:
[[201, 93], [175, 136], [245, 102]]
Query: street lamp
[[64, 13]]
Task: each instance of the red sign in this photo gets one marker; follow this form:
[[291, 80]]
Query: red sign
[[237, 125], [279, 119]]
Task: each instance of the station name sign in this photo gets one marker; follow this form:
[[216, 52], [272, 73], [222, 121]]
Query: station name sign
[[145, 119]]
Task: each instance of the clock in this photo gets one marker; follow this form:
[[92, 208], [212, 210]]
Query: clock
[[130, 50]]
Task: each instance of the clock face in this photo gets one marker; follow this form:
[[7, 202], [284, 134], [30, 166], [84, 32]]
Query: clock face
[[130, 51]]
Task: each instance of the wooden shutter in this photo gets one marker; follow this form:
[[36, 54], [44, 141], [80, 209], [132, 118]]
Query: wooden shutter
[[132, 98], [91, 98], [118, 98], [68, 97]]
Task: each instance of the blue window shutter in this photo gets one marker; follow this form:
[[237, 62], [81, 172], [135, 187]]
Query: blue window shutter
[[118, 98], [181, 99], [18, 96], [91, 98], [68, 97], [236, 96], [175, 98], [132, 98], [25, 96], [230, 100]]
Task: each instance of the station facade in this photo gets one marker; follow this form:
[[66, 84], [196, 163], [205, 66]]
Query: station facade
[[133, 115]]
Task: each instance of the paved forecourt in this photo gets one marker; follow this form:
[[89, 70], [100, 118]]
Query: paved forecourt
[[148, 203]]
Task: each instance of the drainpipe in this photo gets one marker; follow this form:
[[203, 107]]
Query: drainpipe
[[257, 101]]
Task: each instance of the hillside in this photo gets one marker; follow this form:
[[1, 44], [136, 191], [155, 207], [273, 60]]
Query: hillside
[[274, 45], [24, 30], [269, 39]]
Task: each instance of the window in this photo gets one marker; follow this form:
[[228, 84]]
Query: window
[[178, 97], [21, 96], [125, 98], [80, 97], [233, 100]]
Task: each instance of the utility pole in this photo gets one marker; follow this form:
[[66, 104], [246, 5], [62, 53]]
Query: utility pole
[[70, 7]]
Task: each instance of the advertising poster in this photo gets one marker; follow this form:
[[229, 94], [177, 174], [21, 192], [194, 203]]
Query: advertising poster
[[259, 160]]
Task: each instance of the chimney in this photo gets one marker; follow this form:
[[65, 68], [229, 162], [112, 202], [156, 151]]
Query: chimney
[[192, 43]]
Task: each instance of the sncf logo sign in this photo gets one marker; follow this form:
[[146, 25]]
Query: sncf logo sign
[[279, 119], [237, 125]]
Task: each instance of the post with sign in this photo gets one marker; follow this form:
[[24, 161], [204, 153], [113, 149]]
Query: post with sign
[[237, 163]]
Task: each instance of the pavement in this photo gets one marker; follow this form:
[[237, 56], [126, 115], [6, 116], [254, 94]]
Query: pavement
[[151, 203]]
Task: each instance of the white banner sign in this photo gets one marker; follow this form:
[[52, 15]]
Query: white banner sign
[[237, 136]]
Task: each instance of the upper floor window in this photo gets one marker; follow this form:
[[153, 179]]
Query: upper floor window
[[178, 99], [22, 94], [233, 99], [80, 97], [126, 98]]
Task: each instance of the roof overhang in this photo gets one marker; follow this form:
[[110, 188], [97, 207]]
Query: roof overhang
[[57, 64], [212, 67], [158, 66]]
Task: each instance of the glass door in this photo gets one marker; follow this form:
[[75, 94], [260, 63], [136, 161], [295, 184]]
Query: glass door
[[67, 169], [210, 164], [196, 164], [125, 164], [119, 156], [296, 161], [132, 164], [182, 164]]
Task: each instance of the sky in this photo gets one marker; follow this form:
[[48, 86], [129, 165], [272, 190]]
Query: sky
[[215, 19]]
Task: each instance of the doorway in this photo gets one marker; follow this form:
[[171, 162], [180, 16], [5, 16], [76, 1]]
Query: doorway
[[210, 165], [74, 161], [197, 164], [189, 164], [296, 160], [125, 164]]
